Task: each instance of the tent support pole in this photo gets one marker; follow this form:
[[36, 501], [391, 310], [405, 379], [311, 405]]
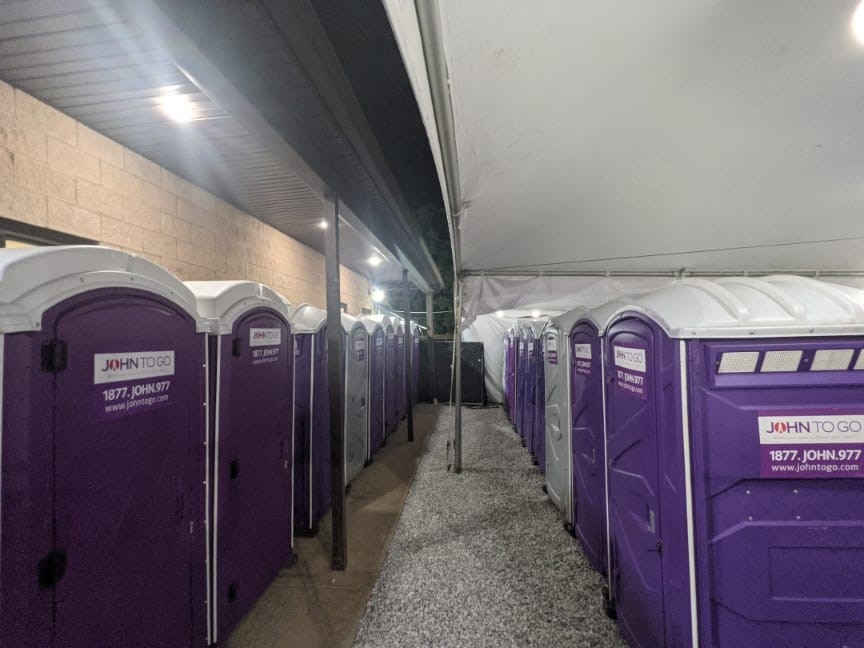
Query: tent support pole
[[408, 349], [430, 351], [335, 360], [457, 371]]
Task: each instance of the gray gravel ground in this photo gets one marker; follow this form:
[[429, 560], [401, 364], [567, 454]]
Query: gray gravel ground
[[481, 558]]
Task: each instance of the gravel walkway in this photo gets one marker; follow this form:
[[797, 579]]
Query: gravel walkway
[[481, 558]]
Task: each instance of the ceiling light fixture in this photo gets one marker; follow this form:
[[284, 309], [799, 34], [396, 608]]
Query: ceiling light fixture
[[323, 224], [378, 295], [178, 107], [535, 313], [374, 261], [858, 23]]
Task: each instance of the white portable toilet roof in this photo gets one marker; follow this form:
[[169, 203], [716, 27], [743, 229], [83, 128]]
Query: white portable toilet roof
[[371, 324], [308, 319], [221, 303], [381, 318], [35, 279], [536, 325], [565, 321], [349, 323], [602, 315], [742, 307], [311, 319]]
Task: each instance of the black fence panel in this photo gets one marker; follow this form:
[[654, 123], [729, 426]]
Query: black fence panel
[[473, 371]]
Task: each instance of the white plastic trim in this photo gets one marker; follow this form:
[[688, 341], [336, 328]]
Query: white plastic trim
[[688, 496]]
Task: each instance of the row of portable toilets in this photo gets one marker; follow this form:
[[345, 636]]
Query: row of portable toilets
[[161, 442], [705, 445]]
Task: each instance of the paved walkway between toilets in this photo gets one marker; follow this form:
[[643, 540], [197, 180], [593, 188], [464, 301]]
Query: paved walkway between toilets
[[481, 559], [310, 606]]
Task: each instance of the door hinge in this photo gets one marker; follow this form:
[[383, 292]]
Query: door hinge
[[54, 356], [235, 347], [51, 569]]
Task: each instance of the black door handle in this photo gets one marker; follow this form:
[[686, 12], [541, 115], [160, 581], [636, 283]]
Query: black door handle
[[51, 569]]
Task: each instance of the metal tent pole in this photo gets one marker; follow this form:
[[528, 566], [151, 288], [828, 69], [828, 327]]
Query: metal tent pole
[[335, 371], [457, 371], [408, 349]]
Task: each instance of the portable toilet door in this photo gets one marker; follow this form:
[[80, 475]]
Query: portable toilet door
[[587, 435], [250, 364], [311, 419], [735, 417], [103, 471], [356, 386], [377, 423], [557, 410]]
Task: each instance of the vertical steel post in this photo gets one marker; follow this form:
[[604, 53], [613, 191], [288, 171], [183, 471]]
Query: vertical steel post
[[335, 371], [430, 351], [408, 347], [457, 371]]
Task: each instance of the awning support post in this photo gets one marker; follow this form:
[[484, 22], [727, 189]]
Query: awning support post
[[335, 371]]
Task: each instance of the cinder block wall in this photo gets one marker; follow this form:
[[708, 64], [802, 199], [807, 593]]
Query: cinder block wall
[[57, 173]]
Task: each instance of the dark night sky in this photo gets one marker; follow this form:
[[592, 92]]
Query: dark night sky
[[363, 41]]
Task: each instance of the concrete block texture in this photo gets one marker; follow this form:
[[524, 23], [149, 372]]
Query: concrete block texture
[[59, 174]]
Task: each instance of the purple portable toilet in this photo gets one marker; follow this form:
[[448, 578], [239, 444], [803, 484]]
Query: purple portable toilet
[[588, 517], [557, 409], [311, 418], [103, 452], [735, 431], [251, 462], [356, 396], [308, 320], [377, 422]]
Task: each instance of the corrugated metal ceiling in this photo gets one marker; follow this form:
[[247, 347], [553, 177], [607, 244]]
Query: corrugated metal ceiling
[[83, 58]]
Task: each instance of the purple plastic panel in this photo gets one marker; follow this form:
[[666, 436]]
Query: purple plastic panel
[[647, 506], [376, 391], [589, 460], [311, 431], [123, 500], [539, 439], [391, 362], [780, 553], [252, 466]]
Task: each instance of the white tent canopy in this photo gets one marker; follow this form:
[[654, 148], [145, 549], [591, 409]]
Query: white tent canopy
[[629, 137], [612, 142]]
